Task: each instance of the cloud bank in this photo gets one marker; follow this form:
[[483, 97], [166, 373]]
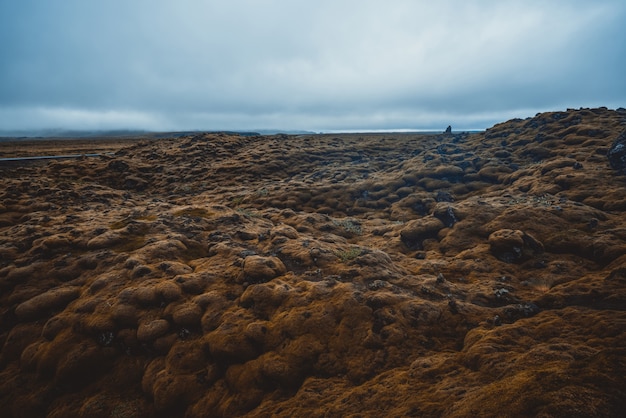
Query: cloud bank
[[325, 65]]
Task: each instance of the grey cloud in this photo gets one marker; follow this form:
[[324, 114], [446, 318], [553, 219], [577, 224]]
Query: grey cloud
[[298, 64]]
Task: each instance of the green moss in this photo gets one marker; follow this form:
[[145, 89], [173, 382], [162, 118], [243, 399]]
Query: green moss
[[193, 212], [247, 213], [349, 255], [118, 224], [349, 226], [238, 200], [130, 244], [262, 192]]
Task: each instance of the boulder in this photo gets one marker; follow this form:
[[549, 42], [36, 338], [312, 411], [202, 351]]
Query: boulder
[[617, 153], [513, 246], [416, 231], [258, 269]]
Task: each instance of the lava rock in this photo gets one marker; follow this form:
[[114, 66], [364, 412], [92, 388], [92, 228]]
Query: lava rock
[[512, 246], [521, 310], [258, 269], [446, 215], [444, 196], [617, 154], [117, 165], [416, 231]]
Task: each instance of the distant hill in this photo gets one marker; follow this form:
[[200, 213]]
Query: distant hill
[[124, 133]]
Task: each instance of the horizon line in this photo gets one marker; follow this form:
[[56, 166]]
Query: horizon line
[[81, 133]]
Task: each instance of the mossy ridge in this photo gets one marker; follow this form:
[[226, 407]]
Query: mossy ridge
[[131, 244], [194, 212], [126, 221]]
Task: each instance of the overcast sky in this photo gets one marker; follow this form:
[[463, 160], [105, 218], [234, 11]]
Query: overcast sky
[[315, 65]]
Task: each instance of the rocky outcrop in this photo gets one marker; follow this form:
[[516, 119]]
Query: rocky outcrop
[[617, 153]]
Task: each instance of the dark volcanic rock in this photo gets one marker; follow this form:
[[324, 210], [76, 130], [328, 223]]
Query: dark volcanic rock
[[513, 245], [617, 153]]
